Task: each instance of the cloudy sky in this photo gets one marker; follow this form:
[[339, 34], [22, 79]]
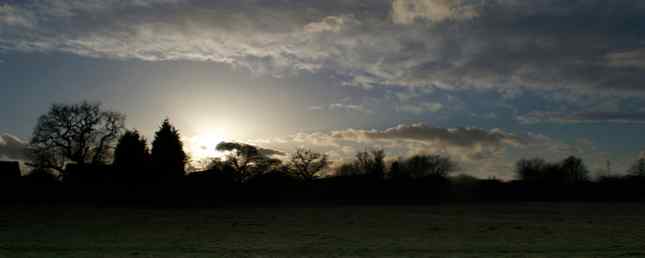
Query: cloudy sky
[[484, 81]]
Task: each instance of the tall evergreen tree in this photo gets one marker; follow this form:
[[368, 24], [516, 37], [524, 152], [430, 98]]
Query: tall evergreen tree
[[131, 156], [168, 154]]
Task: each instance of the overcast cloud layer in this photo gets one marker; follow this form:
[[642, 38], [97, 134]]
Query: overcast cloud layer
[[579, 46]]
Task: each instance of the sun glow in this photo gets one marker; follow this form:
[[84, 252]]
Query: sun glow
[[203, 145]]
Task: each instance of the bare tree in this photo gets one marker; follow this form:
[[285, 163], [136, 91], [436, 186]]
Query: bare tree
[[306, 164], [79, 133], [370, 163]]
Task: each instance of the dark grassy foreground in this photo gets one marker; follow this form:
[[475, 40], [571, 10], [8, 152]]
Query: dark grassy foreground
[[468, 230]]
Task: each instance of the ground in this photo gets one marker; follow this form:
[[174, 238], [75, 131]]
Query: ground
[[464, 230]]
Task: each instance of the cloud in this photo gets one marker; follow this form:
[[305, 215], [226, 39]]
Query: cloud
[[409, 11], [271, 152], [341, 107], [630, 58], [10, 16], [464, 137], [420, 108], [328, 24], [349, 107], [12, 147], [582, 117], [576, 47], [479, 152]]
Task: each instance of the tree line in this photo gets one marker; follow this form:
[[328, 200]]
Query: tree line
[[82, 145]]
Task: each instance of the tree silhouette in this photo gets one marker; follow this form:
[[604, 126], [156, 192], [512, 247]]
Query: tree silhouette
[[574, 170], [370, 163], [569, 170], [396, 172], [419, 166], [531, 170], [168, 156], [347, 169], [367, 163], [79, 133], [306, 164], [247, 160], [131, 155]]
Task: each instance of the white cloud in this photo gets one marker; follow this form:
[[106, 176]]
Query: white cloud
[[12, 147]]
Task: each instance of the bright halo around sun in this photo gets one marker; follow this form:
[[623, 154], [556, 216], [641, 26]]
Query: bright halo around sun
[[204, 145]]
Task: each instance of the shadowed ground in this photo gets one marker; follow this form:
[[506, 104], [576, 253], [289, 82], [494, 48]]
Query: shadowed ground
[[495, 230]]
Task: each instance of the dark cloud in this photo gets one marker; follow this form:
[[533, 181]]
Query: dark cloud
[[462, 137], [583, 117], [271, 152]]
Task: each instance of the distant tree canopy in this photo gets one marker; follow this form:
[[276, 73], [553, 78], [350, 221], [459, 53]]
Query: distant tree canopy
[[532, 170], [638, 168], [370, 163], [247, 160], [168, 156], [306, 164], [574, 170], [569, 170], [420, 166], [78, 133], [132, 154]]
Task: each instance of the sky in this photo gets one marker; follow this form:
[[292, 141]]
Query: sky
[[486, 82]]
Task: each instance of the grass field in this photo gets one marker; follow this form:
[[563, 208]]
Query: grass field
[[495, 230]]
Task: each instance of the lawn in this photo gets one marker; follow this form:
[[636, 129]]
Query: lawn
[[465, 230]]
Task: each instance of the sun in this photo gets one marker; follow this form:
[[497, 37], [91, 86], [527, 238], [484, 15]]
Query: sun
[[202, 145]]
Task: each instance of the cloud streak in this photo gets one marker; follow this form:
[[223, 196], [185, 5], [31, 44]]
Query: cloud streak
[[582, 117]]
